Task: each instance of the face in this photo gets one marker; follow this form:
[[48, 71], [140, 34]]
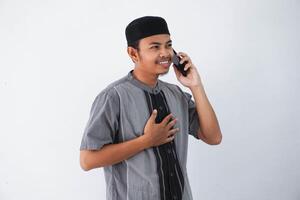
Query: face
[[155, 53]]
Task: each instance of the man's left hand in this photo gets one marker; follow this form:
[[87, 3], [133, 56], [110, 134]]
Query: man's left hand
[[193, 78]]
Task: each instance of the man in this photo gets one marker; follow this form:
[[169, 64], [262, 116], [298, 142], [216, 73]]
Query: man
[[139, 125]]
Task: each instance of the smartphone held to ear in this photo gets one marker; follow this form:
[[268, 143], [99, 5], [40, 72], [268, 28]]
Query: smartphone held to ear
[[176, 61]]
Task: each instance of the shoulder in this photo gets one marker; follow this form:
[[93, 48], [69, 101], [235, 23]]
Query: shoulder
[[175, 88], [109, 94], [170, 86], [110, 90]]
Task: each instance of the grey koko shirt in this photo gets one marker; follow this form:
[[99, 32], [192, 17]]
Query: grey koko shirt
[[119, 113]]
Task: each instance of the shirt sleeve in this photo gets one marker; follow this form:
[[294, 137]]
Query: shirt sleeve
[[103, 122], [193, 116]]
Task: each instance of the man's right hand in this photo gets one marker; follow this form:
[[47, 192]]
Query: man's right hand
[[158, 134], [110, 154]]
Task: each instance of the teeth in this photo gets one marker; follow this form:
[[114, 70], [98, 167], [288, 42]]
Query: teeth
[[164, 62]]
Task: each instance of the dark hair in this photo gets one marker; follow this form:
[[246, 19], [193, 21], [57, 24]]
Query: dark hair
[[135, 45]]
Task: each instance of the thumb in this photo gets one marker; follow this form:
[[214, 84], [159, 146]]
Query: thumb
[[153, 115], [177, 72]]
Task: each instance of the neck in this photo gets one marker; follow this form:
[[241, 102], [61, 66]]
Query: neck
[[145, 77]]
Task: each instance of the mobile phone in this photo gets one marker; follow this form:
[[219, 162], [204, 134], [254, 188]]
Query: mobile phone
[[176, 61]]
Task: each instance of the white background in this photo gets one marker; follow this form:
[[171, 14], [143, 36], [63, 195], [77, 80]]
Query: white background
[[56, 56]]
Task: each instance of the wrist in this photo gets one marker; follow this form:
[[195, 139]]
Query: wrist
[[196, 87], [146, 143]]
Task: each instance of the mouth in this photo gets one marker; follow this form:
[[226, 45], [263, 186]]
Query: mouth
[[165, 63]]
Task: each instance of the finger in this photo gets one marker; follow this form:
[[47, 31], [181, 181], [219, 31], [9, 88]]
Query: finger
[[153, 115], [182, 54], [171, 124], [173, 132], [165, 121], [185, 59], [187, 66], [169, 139]]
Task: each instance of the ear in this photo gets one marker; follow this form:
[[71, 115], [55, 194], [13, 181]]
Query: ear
[[133, 54]]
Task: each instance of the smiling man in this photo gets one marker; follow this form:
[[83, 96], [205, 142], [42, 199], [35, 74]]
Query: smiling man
[[139, 125]]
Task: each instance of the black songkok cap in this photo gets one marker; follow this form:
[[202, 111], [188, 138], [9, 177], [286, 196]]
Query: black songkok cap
[[145, 27]]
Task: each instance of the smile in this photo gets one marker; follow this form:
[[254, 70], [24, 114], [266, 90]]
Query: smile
[[164, 62]]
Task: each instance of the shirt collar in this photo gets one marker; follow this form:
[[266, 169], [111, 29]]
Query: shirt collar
[[143, 86]]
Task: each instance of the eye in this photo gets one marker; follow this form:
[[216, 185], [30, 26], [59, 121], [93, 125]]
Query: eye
[[155, 47], [169, 45]]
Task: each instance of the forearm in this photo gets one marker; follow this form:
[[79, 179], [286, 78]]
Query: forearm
[[209, 125], [112, 153]]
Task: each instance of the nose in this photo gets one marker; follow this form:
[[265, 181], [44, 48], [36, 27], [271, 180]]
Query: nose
[[164, 52]]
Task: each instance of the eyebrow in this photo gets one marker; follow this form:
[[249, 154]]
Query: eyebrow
[[158, 43]]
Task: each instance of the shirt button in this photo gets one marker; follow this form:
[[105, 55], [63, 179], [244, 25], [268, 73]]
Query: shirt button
[[160, 108], [174, 197], [171, 174], [169, 150]]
